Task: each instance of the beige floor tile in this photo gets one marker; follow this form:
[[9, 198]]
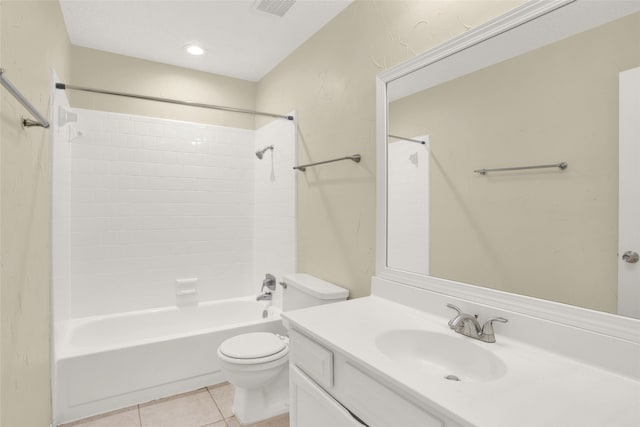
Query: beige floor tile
[[220, 423], [223, 396], [233, 422], [279, 421], [127, 417], [194, 409]]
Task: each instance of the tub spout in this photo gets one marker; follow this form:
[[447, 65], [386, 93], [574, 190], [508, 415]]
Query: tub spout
[[267, 296]]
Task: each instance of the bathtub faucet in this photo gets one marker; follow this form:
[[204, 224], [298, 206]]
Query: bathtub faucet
[[269, 282]]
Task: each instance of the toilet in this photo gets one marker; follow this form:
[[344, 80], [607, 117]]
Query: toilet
[[257, 363]]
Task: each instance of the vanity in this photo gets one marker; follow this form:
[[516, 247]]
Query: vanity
[[379, 361], [337, 385], [501, 188]]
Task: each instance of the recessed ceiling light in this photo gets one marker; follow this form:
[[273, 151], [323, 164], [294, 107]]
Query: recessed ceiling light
[[194, 50]]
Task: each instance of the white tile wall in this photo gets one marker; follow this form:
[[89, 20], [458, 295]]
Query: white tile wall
[[275, 203], [155, 200]]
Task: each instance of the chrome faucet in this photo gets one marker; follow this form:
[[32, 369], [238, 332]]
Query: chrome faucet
[[267, 296], [468, 325], [269, 282]]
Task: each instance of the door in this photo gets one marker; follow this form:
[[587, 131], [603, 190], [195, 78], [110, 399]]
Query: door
[[629, 195]]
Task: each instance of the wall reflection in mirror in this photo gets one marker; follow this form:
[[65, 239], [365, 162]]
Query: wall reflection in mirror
[[548, 233]]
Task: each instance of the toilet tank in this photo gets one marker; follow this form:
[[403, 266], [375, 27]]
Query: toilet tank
[[304, 290]]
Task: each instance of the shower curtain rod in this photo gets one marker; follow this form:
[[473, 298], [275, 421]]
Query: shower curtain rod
[[25, 103], [64, 86]]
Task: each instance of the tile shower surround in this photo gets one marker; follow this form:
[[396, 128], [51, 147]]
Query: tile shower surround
[[153, 200]]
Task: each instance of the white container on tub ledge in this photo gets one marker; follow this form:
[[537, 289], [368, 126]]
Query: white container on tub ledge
[[187, 292]]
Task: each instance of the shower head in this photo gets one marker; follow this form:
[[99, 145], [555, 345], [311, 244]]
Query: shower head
[[260, 153]]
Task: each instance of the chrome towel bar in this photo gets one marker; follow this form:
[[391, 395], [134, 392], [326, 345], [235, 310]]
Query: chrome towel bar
[[356, 158], [25, 103], [562, 166], [407, 139]]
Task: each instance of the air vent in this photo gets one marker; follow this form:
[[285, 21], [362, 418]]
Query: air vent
[[275, 7]]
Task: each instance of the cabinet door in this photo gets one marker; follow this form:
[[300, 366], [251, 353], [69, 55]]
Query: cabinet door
[[311, 406]]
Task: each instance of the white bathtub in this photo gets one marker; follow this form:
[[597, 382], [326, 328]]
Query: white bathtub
[[109, 362]]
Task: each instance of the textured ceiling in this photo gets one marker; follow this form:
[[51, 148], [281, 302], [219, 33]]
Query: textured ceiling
[[240, 41]]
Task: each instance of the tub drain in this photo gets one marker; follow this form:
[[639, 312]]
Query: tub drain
[[452, 378]]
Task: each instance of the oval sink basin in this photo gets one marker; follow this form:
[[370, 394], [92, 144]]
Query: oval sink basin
[[433, 353]]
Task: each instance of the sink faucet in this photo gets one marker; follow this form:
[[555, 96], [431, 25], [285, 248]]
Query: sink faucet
[[468, 325], [269, 282]]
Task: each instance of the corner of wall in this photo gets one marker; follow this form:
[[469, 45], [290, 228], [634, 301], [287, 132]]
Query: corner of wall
[[33, 42]]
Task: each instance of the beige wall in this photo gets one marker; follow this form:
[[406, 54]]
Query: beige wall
[[330, 82], [548, 234], [101, 70], [33, 42]]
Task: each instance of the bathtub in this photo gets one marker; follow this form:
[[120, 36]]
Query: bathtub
[[109, 362]]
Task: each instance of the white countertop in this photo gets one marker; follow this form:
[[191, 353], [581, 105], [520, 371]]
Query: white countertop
[[539, 389]]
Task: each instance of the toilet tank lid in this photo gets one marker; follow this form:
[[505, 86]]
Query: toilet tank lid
[[315, 287]]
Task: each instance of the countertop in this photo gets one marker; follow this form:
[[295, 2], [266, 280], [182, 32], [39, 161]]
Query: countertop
[[539, 388]]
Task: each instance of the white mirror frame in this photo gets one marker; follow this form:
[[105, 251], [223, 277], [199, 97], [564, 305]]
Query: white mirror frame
[[559, 16]]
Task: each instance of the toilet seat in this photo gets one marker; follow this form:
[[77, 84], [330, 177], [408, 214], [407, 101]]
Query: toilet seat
[[253, 348]]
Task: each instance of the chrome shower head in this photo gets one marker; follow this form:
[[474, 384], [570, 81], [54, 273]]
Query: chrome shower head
[[260, 153]]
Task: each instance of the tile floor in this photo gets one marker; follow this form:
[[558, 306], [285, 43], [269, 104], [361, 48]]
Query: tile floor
[[206, 407]]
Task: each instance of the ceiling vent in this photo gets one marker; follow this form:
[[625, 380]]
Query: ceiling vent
[[274, 7]]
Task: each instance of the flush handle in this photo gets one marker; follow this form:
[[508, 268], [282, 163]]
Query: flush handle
[[631, 257]]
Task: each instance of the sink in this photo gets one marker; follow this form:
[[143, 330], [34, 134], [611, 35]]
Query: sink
[[445, 356]]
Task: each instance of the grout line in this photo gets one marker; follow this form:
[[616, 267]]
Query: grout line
[[139, 415], [217, 406]]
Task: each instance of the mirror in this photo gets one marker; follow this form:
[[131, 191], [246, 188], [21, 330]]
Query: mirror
[[544, 93]]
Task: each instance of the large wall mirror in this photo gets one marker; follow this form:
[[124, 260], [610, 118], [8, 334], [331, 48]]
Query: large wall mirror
[[499, 158]]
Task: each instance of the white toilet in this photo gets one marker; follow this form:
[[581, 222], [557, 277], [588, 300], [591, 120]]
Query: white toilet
[[257, 363]]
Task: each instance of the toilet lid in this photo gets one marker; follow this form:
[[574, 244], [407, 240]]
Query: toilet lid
[[253, 345]]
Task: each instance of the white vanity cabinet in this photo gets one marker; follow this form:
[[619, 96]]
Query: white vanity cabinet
[[329, 389], [311, 406]]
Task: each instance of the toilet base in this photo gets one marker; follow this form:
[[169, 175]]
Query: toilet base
[[254, 405]]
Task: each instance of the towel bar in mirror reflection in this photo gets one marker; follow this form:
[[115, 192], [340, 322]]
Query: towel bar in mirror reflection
[[512, 88]]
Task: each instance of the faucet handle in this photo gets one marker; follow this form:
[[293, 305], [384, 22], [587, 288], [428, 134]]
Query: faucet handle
[[487, 328], [269, 282], [456, 308], [496, 319]]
